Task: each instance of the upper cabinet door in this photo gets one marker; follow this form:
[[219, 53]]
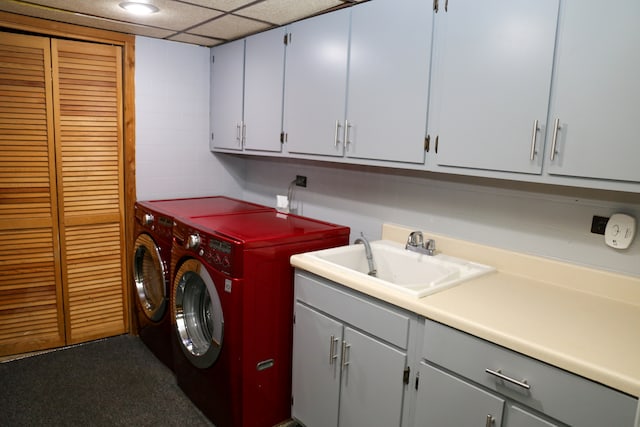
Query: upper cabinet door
[[596, 94], [491, 76], [316, 80], [227, 80], [389, 80], [263, 90]]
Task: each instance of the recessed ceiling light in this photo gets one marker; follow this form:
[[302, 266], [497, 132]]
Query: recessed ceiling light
[[138, 8]]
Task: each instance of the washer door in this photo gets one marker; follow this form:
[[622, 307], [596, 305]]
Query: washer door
[[198, 314], [150, 277]]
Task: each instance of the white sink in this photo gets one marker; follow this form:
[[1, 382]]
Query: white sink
[[409, 272]]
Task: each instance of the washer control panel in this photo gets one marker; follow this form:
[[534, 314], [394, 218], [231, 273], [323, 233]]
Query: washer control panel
[[218, 253]]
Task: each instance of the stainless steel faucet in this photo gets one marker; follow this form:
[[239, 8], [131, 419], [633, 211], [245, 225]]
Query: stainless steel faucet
[[416, 243], [369, 253]]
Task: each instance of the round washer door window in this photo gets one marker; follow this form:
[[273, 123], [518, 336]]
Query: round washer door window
[[150, 278], [198, 314]]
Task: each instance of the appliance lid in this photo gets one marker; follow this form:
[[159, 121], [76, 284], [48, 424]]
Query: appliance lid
[[256, 228], [200, 206]]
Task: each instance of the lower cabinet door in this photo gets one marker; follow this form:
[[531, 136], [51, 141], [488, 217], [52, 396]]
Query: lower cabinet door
[[317, 341], [519, 417], [447, 401], [372, 382]]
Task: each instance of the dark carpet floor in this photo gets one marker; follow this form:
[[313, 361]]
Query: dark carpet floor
[[111, 382]]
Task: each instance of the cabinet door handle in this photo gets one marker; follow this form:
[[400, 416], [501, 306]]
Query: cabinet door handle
[[336, 141], [345, 351], [490, 421], [332, 349], [347, 127], [502, 376], [244, 133], [534, 137], [238, 132], [554, 141]]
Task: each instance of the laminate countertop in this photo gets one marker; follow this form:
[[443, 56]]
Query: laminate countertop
[[583, 320]]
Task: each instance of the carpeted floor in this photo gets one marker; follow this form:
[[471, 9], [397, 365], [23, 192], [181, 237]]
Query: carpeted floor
[[111, 382]]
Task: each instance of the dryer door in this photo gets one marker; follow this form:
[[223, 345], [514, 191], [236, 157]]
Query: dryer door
[[150, 277], [197, 314]]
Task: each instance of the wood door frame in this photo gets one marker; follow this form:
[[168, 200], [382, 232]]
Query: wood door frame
[[47, 28]]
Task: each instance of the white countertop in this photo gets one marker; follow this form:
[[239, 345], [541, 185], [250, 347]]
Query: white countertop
[[583, 320]]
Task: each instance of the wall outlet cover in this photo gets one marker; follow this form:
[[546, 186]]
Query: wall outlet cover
[[620, 231]]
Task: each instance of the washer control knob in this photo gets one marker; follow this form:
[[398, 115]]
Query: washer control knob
[[193, 241], [147, 219]]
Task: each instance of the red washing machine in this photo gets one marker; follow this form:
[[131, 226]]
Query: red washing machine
[[232, 306], [152, 258]]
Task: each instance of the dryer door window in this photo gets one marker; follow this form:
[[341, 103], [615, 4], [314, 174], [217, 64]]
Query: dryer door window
[[150, 278], [198, 315]]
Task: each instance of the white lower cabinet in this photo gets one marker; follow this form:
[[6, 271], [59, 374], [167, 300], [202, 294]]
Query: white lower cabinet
[[459, 367], [349, 358], [359, 361]]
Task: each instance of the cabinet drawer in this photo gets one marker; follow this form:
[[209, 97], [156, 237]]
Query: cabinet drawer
[[567, 397], [379, 319]]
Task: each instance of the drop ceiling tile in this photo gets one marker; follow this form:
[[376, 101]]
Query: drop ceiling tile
[[229, 27], [173, 15], [284, 11], [194, 39]]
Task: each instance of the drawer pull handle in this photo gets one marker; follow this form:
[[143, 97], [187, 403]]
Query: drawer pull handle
[[502, 376]]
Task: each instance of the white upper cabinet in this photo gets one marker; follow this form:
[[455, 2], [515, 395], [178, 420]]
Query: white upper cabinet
[[388, 84], [491, 76], [316, 84], [363, 93], [227, 80], [596, 91], [263, 90], [247, 78]]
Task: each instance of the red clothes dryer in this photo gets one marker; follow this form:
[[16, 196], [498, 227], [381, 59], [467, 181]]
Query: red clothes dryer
[[232, 308], [152, 258]]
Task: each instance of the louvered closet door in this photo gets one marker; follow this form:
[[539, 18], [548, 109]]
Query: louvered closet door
[[88, 116], [31, 316]]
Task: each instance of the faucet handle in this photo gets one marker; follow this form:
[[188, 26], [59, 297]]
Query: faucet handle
[[415, 239]]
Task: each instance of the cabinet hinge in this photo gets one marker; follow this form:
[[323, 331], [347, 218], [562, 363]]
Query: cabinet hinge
[[427, 142], [405, 375]]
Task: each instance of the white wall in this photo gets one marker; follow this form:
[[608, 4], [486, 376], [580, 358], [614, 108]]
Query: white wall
[[547, 221], [172, 125]]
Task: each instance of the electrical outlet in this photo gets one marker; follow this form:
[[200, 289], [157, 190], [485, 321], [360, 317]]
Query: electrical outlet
[[599, 224], [301, 181]]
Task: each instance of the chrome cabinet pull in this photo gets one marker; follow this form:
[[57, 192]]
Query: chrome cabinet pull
[[534, 137], [502, 376], [345, 351], [347, 127], [243, 139], [490, 421], [556, 127], [336, 141], [238, 132], [332, 349]]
